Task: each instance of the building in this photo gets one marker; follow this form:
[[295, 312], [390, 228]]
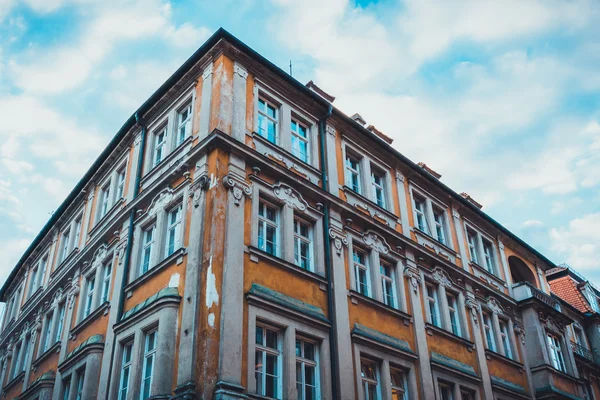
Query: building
[[240, 237]]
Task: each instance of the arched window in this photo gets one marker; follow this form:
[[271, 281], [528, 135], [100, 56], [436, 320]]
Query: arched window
[[520, 272]]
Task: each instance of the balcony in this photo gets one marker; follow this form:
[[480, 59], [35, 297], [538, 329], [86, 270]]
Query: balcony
[[585, 353], [524, 291]]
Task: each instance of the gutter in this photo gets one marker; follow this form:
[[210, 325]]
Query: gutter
[[328, 263]]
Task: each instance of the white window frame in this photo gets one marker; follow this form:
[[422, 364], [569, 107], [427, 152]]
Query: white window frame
[[174, 227], [90, 287], [478, 255], [80, 379], [351, 171], [364, 266], [300, 239], [126, 368], [264, 222], [489, 333], [367, 382], [432, 207], [47, 337], [147, 354], [148, 246], [64, 244], [266, 99], [160, 146], [304, 362], [105, 199], [121, 177], [381, 187], [106, 281], [433, 299], [505, 338], [452, 301], [33, 278], [389, 279], [265, 351], [555, 351], [61, 312], [441, 227], [297, 136], [186, 122]]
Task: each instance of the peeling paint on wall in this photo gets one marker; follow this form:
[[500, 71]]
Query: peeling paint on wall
[[211, 320], [212, 296], [174, 281], [213, 181]]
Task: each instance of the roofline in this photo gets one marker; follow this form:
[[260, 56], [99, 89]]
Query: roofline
[[195, 57]]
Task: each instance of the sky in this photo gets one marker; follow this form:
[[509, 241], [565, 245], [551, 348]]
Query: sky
[[500, 97]]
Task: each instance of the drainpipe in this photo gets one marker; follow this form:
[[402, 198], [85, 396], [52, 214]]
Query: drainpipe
[[328, 263], [127, 255]]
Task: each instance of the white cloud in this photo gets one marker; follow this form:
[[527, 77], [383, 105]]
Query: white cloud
[[17, 167], [187, 35], [6, 193], [5, 7], [579, 242], [532, 223], [65, 67], [11, 251]]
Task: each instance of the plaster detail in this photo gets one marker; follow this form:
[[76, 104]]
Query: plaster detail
[[414, 277], [290, 196], [494, 306], [376, 242], [339, 240], [238, 188], [442, 277]]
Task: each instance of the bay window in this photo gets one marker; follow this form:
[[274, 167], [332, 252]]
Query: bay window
[[369, 372], [399, 384]]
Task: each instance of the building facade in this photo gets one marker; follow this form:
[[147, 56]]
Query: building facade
[[240, 237]]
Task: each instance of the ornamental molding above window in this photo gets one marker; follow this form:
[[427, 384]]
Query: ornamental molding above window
[[442, 277], [289, 196], [376, 242], [494, 306], [160, 201], [551, 324], [99, 255]]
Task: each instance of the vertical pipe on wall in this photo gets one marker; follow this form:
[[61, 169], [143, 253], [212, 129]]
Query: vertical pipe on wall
[[330, 305]]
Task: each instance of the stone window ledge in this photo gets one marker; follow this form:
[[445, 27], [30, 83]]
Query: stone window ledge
[[109, 214], [32, 298], [487, 273], [87, 320], [256, 254], [365, 204], [433, 243], [140, 280], [489, 354], [431, 329], [54, 349], [553, 370], [357, 297], [64, 262], [14, 381]]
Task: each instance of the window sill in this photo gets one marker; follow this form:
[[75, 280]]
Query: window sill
[[14, 381], [86, 321], [369, 206], [111, 212], [256, 253], [431, 329], [286, 158], [487, 273], [33, 297], [489, 354], [172, 159], [64, 262], [55, 348], [431, 244], [356, 297], [553, 370], [154, 270]]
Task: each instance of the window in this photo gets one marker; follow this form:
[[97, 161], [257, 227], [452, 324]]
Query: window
[[446, 391], [268, 227], [556, 356], [33, 281], [592, 299], [25, 353], [361, 272], [184, 123], [120, 183], [148, 242], [89, 296], [370, 379], [65, 245], [433, 305], [80, 379], [300, 144], [160, 145], [303, 244], [466, 395], [15, 360], [307, 370], [267, 120], [353, 173], [60, 322], [77, 232], [421, 214], [489, 332], [173, 230], [505, 339], [472, 239], [378, 185], [148, 364], [125, 371], [439, 220], [267, 370], [388, 283], [106, 275], [453, 313], [48, 332], [399, 385], [66, 388], [488, 253], [104, 199]]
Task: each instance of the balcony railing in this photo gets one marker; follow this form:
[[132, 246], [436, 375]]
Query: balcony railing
[[585, 353], [525, 290]]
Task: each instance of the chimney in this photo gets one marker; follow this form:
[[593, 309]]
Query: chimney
[[380, 134], [429, 170], [311, 85], [359, 119], [471, 200]]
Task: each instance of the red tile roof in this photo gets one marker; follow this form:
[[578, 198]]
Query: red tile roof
[[566, 288]]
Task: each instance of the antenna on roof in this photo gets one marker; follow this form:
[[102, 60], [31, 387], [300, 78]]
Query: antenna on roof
[[291, 68]]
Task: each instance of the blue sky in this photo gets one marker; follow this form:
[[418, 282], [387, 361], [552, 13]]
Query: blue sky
[[500, 97]]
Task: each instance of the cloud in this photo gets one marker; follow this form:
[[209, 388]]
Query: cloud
[[533, 223], [11, 251], [17, 167], [579, 241], [68, 66]]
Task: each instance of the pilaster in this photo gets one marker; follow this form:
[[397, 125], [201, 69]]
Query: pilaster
[[476, 321], [206, 101], [331, 160], [458, 227], [240, 75], [504, 263]]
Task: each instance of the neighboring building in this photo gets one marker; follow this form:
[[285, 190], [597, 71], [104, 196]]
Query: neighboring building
[[241, 238]]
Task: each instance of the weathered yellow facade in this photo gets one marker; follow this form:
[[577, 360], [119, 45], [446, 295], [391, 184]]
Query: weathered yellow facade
[[242, 238]]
